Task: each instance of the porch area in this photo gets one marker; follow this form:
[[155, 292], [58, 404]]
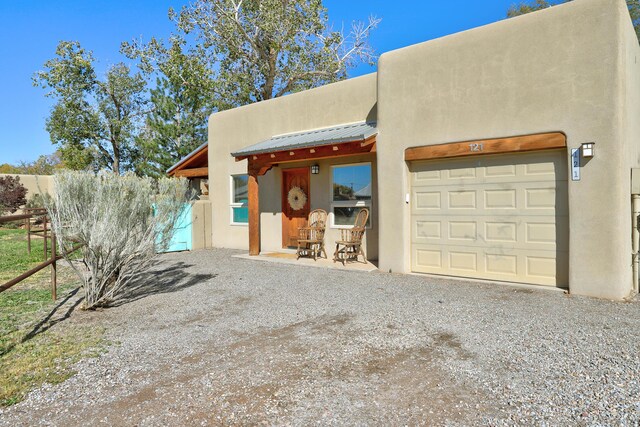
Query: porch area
[[290, 257], [288, 176]]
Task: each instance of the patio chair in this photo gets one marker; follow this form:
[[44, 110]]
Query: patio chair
[[311, 237], [350, 244]]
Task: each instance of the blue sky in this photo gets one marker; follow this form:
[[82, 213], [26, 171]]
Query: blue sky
[[31, 30]]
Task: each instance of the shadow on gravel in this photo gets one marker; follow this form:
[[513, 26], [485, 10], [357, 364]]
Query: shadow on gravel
[[161, 279]]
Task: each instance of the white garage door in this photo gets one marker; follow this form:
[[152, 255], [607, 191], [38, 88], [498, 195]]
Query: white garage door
[[502, 217]]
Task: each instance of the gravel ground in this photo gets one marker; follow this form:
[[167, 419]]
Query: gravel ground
[[211, 339]]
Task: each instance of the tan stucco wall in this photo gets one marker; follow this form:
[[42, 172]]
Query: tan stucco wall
[[343, 102], [561, 69], [201, 224], [35, 183], [630, 91]]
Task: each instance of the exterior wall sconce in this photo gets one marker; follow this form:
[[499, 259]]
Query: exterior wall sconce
[[588, 149], [315, 169]]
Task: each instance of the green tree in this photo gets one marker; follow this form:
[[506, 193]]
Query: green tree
[[261, 49], [93, 121], [532, 6], [177, 123], [527, 7], [9, 168], [45, 164]]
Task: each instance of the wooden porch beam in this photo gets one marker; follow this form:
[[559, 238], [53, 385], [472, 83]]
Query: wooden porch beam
[[314, 153], [197, 159], [254, 214], [541, 141], [192, 173], [369, 141]]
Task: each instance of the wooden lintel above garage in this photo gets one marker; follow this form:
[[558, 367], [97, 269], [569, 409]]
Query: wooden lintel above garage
[[541, 141]]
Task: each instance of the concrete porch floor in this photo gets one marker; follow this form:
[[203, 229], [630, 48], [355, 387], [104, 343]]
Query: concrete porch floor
[[289, 257]]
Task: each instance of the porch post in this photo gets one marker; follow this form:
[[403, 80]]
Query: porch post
[[254, 213]]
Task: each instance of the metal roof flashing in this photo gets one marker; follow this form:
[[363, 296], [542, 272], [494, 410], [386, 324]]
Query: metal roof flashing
[[350, 132]]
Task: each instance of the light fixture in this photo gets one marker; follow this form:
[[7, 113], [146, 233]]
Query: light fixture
[[588, 149], [315, 169]]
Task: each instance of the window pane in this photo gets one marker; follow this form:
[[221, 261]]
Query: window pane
[[346, 215], [241, 215], [240, 188], [352, 182]]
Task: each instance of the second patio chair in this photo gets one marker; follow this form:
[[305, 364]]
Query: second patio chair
[[350, 244]]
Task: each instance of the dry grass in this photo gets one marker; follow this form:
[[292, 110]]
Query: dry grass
[[37, 343], [14, 257]]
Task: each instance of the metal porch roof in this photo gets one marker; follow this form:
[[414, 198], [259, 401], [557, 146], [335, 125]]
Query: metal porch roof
[[312, 138]]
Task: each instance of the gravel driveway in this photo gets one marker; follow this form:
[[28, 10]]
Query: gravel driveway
[[215, 340]]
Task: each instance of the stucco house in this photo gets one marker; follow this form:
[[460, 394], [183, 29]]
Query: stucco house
[[505, 152]]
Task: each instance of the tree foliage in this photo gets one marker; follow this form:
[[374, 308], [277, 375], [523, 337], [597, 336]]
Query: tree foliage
[[119, 220], [261, 49], [38, 200], [535, 5], [94, 121], [45, 164], [12, 194], [527, 7], [177, 123], [9, 168]]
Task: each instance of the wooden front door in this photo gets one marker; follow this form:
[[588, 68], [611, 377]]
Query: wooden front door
[[295, 204]]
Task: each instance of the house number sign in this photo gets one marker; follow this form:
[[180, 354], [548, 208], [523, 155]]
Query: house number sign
[[575, 164], [476, 148]]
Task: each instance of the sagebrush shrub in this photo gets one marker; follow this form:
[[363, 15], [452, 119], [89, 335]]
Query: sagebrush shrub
[[121, 221]]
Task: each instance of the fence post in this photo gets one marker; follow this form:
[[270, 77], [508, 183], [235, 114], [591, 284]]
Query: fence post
[[28, 234], [54, 277], [44, 235]]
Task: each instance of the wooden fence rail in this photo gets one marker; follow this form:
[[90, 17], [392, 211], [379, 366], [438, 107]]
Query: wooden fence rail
[[49, 261]]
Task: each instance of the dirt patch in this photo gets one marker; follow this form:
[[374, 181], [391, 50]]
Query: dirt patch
[[276, 373]]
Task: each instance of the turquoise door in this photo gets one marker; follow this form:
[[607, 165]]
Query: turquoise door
[[181, 240]]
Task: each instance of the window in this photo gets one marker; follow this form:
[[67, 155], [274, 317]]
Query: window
[[350, 192], [239, 199]]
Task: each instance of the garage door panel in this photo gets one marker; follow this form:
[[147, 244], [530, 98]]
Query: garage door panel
[[426, 201], [427, 176], [537, 267], [499, 198], [427, 260], [498, 247], [501, 231], [463, 260], [463, 231], [461, 199], [426, 230], [510, 168], [536, 198], [496, 217], [505, 232]]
